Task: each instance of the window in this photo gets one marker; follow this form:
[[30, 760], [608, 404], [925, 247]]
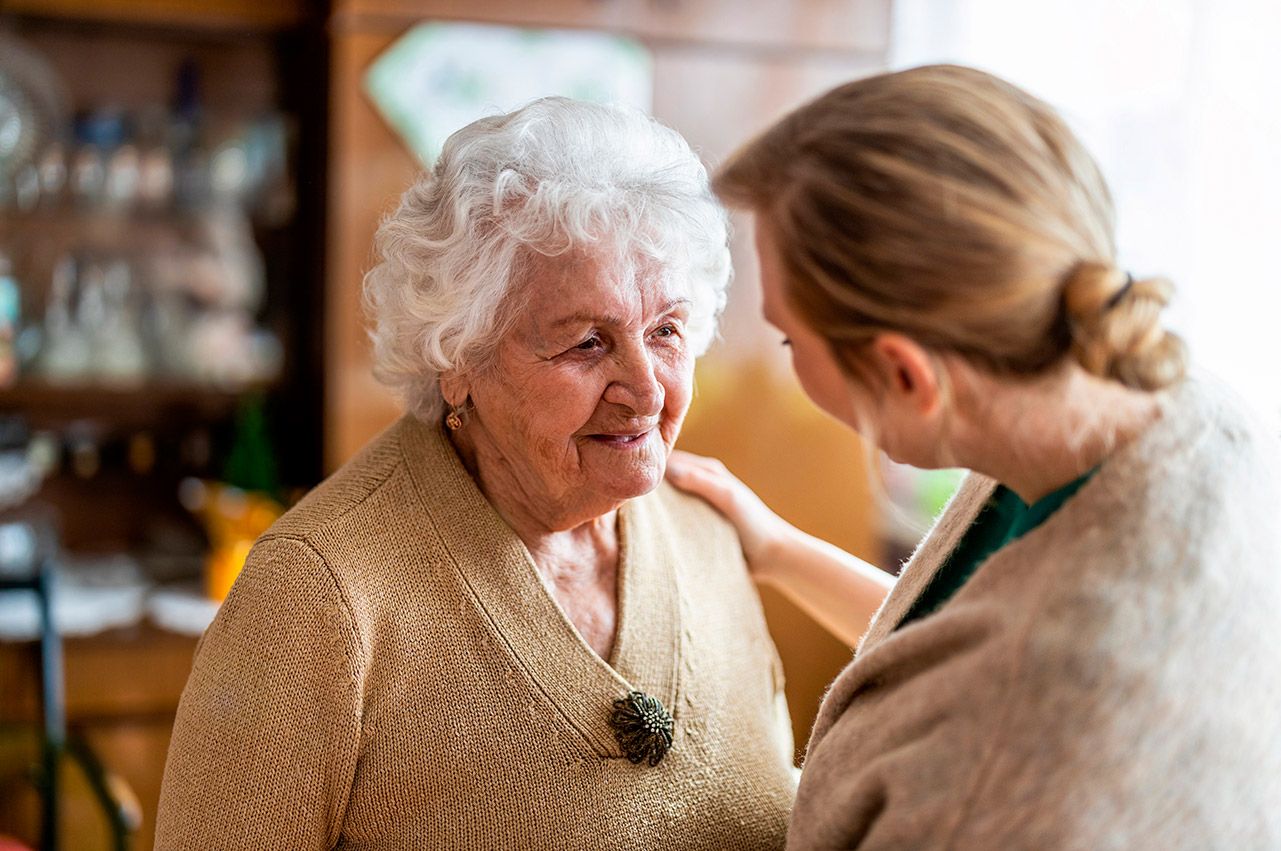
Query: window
[[1180, 101]]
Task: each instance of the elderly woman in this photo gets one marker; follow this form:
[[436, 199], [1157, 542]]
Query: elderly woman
[[496, 627], [1082, 654]]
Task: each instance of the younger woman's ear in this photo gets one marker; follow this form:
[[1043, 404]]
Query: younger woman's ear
[[908, 372]]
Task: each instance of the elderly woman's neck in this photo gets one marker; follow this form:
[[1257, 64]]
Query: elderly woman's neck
[[574, 549]]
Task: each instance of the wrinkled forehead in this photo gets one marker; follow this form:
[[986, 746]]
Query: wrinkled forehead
[[620, 286]]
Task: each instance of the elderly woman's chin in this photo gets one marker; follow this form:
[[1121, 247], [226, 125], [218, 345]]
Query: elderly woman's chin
[[623, 467]]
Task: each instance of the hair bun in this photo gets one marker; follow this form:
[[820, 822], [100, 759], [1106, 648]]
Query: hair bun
[[1116, 327]]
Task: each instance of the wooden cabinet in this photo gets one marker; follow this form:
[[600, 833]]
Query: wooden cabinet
[[252, 60], [239, 15], [722, 71], [242, 71]]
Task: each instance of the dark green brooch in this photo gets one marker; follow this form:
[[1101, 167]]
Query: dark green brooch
[[643, 728]]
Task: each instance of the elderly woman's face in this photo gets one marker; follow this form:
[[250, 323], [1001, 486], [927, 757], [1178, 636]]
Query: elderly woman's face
[[588, 390]]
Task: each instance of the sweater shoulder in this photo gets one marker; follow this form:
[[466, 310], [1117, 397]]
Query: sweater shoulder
[[694, 520], [1215, 435], [364, 518], [1209, 478], [1181, 536], [346, 490]]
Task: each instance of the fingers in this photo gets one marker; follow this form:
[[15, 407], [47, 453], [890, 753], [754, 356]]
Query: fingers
[[680, 456], [686, 473], [685, 460], [698, 479]]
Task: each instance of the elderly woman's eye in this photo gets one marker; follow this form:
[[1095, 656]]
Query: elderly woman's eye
[[666, 331], [588, 344]]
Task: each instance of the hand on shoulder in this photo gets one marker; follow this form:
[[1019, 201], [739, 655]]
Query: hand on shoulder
[[759, 529], [839, 590]]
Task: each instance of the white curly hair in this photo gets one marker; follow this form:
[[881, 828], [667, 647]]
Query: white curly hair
[[553, 177]]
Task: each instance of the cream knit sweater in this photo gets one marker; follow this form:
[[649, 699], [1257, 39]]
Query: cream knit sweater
[[1111, 680], [389, 672]]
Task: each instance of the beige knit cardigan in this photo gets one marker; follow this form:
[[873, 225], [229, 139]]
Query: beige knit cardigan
[[389, 672], [1111, 680]]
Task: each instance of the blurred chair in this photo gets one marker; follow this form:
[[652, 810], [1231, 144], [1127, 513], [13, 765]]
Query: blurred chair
[[28, 545]]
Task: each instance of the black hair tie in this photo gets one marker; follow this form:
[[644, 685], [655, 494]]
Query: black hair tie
[[1120, 294]]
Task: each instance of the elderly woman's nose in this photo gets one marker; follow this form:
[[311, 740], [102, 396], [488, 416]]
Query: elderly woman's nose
[[636, 384]]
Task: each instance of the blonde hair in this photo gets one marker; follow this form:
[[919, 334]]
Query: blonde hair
[[948, 205]]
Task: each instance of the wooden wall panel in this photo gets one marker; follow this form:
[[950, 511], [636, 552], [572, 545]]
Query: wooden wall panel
[[790, 26], [719, 101], [369, 169]]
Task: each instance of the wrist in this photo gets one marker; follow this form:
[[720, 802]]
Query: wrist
[[769, 560]]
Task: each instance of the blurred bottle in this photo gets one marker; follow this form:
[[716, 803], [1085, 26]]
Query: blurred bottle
[[66, 354], [123, 177], [98, 133], [26, 188], [251, 461], [10, 320], [119, 355], [84, 445], [87, 175], [52, 171], [155, 161], [233, 519], [190, 161]]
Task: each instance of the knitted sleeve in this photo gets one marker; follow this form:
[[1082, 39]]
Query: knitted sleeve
[[265, 744]]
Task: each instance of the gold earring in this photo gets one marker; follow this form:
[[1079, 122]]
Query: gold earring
[[454, 420]]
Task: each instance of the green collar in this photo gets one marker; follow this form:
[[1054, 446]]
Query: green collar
[[1038, 512], [1004, 519]]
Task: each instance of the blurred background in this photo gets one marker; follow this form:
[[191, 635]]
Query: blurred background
[[188, 195]]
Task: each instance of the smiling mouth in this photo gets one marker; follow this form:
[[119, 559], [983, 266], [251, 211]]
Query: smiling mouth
[[621, 441]]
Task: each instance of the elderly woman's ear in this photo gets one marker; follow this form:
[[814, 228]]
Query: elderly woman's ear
[[454, 388]]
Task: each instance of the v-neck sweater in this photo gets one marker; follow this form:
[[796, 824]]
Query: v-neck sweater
[[389, 671]]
